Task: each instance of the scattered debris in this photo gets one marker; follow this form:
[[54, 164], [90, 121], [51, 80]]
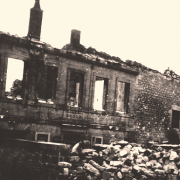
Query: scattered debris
[[122, 160]]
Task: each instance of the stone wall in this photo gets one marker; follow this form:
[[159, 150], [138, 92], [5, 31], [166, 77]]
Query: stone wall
[[20, 159], [151, 100], [32, 116], [153, 105]]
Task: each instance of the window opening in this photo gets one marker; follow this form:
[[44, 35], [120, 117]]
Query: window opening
[[51, 82], [14, 77], [42, 137], [76, 89], [175, 119], [96, 140], [123, 90], [100, 93], [47, 82]]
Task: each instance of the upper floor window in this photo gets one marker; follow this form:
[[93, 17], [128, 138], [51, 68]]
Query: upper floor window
[[47, 80], [75, 94], [100, 93], [122, 101], [14, 78]]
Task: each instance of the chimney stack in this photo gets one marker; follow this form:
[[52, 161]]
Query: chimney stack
[[35, 21], [75, 37]]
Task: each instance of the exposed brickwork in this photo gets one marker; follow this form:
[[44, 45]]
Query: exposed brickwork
[[31, 160], [156, 95], [150, 101], [31, 116]]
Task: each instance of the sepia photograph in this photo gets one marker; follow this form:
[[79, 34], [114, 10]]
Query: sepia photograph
[[90, 90]]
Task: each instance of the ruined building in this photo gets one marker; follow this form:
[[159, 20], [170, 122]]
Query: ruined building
[[75, 93]]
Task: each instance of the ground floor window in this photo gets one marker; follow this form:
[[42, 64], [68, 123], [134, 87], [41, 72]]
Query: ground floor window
[[42, 137], [175, 119], [96, 140]]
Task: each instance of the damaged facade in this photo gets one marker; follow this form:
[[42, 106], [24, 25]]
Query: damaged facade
[[77, 93]]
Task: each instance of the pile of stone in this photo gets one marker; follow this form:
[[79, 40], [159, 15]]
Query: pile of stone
[[122, 160]]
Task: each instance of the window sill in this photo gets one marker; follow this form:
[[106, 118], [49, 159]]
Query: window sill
[[123, 114], [45, 104], [14, 98], [73, 107], [9, 97], [19, 98], [99, 110], [43, 101], [120, 112]]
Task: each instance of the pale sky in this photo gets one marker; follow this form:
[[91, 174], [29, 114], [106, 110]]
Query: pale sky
[[17, 67], [146, 31]]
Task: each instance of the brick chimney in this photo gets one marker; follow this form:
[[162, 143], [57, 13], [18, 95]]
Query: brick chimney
[[35, 21], [75, 37], [75, 42]]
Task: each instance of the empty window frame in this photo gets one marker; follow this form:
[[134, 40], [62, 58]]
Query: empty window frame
[[96, 140], [76, 83], [100, 93], [175, 119], [14, 78], [47, 81], [42, 136], [122, 97]]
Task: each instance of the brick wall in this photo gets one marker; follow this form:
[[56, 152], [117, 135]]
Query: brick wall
[[31, 160], [151, 97], [37, 117], [153, 104]]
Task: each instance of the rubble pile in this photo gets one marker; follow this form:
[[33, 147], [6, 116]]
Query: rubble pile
[[122, 160]]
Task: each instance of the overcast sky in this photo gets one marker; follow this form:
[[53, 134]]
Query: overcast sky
[[146, 31]]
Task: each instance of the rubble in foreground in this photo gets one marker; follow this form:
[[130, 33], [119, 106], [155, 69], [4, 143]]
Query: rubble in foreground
[[122, 160]]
